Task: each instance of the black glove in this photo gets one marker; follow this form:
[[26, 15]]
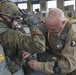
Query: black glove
[[28, 19]]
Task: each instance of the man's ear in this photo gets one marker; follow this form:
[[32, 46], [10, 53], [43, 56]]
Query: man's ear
[[64, 22]]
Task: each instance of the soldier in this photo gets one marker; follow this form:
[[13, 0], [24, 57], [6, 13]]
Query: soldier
[[70, 16], [60, 56], [16, 44]]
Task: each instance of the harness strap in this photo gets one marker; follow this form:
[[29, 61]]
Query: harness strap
[[2, 30], [49, 39]]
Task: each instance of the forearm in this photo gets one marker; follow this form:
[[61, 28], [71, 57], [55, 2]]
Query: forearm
[[65, 65], [46, 67], [38, 38], [33, 44]]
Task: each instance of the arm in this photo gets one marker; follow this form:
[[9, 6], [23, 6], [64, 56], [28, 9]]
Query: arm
[[37, 39], [15, 42], [34, 44]]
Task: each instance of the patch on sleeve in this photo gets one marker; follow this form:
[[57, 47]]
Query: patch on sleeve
[[73, 43]]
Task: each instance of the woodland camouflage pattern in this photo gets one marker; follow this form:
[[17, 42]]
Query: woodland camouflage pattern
[[12, 9], [14, 42]]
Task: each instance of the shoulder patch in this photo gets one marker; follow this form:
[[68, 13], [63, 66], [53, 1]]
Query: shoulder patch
[[73, 43], [1, 57]]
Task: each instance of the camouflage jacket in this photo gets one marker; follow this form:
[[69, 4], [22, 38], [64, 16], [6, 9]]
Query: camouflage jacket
[[14, 42]]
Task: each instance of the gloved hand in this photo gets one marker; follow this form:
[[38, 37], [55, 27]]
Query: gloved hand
[[28, 19]]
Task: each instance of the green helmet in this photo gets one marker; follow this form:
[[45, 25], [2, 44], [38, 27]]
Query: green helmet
[[10, 9]]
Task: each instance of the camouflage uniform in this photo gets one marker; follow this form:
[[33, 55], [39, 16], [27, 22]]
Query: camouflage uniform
[[14, 41], [60, 54]]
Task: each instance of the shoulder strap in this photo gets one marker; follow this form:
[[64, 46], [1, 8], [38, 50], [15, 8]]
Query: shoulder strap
[[2, 30], [64, 32], [67, 27]]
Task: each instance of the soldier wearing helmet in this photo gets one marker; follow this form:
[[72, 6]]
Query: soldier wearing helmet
[[12, 11], [16, 45]]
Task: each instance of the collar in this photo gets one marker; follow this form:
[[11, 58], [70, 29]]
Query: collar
[[62, 29]]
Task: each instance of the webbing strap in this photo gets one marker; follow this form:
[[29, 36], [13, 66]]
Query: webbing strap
[[2, 30]]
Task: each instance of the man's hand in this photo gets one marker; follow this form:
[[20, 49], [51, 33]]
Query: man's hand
[[33, 64], [28, 18], [26, 54]]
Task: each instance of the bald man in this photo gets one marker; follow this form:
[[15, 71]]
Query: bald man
[[60, 36]]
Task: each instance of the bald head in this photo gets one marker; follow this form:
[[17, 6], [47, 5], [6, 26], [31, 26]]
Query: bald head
[[54, 14], [55, 18]]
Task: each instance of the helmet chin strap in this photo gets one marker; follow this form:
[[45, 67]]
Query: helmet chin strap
[[5, 21]]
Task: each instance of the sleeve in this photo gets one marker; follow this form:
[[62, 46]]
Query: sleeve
[[68, 62], [34, 43]]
